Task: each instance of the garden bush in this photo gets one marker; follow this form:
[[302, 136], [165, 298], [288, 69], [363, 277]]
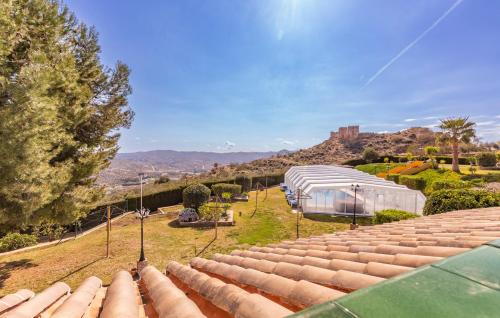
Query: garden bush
[[220, 188], [14, 241], [459, 199], [391, 215], [195, 195], [413, 182], [487, 159], [370, 155]]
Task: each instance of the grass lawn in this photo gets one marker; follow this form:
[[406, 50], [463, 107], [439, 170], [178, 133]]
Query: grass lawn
[[73, 261], [465, 169]]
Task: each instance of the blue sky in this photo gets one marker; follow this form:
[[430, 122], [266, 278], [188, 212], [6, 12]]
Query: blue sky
[[248, 75]]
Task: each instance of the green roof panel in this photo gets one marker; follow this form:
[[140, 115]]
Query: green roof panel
[[495, 243], [481, 265], [426, 292]]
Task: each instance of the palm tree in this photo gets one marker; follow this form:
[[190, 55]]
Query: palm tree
[[455, 131]]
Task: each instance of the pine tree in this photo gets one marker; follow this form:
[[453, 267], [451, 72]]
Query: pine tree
[[60, 110]]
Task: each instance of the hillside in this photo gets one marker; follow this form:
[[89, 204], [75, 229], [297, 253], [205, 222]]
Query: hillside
[[337, 150], [126, 166]]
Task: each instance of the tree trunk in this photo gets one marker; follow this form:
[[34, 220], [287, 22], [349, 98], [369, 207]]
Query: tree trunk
[[454, 163]]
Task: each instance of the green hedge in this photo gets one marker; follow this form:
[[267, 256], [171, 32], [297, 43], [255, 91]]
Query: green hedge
[[490, 177], [14, 241], [449, 184], [459, 199], [413, 182], [272, 180], [393, 177], [391, 215], [220, 188]]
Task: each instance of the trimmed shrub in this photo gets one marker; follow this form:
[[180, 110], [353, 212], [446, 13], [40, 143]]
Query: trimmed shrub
[[487, 159], [413, 182], [459, 199], [391, 215], [393, 177], [220, 188], [195, 195], [14, 241], [449, 184]]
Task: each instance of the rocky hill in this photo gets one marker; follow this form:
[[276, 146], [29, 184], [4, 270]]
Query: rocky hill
[[337, 150]]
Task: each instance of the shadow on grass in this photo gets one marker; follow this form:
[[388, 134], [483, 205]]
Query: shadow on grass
[[6, 268], [77, 270], [174, 224], [362, 220]]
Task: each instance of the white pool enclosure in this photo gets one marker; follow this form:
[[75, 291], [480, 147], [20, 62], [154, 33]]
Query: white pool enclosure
[[330, 189]]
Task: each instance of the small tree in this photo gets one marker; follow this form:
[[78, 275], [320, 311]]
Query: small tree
[[430, 151], [195, 195], [370, 155], [454, 132]]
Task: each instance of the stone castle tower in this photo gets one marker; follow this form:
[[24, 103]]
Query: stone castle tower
[[346, 133]]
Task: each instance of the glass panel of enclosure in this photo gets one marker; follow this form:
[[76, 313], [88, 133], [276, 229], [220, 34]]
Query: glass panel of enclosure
[[368, 200]]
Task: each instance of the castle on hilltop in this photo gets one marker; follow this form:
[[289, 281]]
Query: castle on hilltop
[[346, 133]]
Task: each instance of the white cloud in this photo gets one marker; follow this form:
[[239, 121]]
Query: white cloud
[[410, 119], [286, 142], [430, 117], [229, 145], [137, 138], [485, 123], [383, 132]]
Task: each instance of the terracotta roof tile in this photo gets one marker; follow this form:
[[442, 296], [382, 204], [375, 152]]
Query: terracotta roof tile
[[9, 301], [120, 298], [168, 300], [39, 302], [77, 304]]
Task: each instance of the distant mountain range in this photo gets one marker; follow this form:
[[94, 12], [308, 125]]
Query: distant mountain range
[[126, 166]]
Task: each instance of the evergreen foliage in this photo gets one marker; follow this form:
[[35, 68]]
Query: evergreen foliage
[[60, 109], [487, 159]]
